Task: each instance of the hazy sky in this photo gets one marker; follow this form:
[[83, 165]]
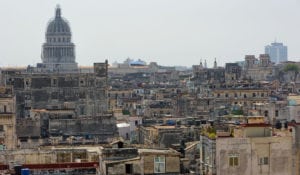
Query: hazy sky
[[170, 32]]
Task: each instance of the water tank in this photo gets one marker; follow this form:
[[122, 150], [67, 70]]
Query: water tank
[[78, 160], [25, 171]]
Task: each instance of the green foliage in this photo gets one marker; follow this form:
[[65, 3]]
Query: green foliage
[[211, 130], [125, 112], [237, 112], [291, 68], [212, 136]]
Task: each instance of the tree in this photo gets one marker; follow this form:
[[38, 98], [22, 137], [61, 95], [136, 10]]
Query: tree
[[292, 68]]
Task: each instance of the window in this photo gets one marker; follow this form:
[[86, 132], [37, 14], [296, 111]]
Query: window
[[81, 110], [226, 95], [263, 161], [235, 95], [54, 82], [4, 109], [276, 113], [245, 95], [262, 94], [1, 128], [129, 168], [233, 160], [253, 95], [26, 82], [159, 164], [218, 95], [266, 113]]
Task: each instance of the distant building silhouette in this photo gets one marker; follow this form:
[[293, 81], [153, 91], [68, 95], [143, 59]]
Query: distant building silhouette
[[277, 52]]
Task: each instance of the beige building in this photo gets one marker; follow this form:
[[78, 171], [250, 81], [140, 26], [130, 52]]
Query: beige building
[[258, 69], [116, 161], [244, 96], [258, 155], [161, 136], [250, 149], [8, 138]]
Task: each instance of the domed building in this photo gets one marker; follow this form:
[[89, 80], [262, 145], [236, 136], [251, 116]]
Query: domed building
[[58, 52]]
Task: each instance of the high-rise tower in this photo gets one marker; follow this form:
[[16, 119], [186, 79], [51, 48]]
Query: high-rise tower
[[58, 52], [277, 52]]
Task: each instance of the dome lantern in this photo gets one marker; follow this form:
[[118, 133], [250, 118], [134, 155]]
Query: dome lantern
[[57, 12]]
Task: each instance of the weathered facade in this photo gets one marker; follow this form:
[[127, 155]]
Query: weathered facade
[[115, 161], [233, 72], [8, 138], [260, 155], [249, 148], [258, 70], [61, 104], [84, 93], [246, 96]]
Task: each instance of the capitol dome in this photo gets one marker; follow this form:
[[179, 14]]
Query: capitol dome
[[58, 25], [58, 53]]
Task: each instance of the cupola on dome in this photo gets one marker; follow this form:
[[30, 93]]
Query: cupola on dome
[[58, 25]]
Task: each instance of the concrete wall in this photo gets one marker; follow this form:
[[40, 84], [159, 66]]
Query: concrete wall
[[172, 164], [278, 150]]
